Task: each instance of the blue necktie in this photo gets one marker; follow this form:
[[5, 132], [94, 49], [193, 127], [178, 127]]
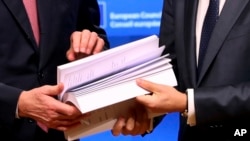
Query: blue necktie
[[207, 29]]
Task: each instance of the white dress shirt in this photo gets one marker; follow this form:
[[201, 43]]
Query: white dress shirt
[[201, 12]]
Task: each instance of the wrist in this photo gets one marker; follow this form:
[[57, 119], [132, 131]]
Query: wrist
[[184, 112], [19, 110]]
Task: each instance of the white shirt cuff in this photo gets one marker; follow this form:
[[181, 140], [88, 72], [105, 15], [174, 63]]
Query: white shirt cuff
[[191, 121], [17, 116]]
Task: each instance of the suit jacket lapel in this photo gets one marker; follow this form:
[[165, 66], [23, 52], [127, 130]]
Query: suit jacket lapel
[[45, 18], [230, 13], [190, 51], [18, 11]]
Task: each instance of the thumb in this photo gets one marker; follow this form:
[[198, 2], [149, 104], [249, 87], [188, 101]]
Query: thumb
[[147, 85], [52, 90]]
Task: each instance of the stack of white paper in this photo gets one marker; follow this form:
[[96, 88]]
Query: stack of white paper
[[104, 84]]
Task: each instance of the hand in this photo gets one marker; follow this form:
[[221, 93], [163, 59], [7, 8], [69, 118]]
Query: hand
[[39, 105], [164, 99], [135, 123], [83, 44]]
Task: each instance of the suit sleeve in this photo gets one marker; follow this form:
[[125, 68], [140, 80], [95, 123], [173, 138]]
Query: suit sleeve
[[8, 102], [167, 31], [224, 103], [167, 28]]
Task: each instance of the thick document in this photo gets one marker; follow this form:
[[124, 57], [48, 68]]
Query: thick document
[[105, 84]]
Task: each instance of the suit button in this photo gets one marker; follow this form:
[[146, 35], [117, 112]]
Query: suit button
[[31, 121], [41, 75], [28, 37]]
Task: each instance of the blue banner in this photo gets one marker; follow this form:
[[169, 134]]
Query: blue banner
[[130, 17]]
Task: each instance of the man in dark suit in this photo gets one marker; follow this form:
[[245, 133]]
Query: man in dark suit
[[95, 11], [214, 97], [28, 61]]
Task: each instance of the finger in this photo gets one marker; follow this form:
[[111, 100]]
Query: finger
[[118, 126], [61, 128], [61, 123], [75, 41], [130, 128], [140, 121], [51, 114], [69, 122], [70, 54], [85, 37], [51, 90], [77, 116], [130, 125], [99, 46], [67, 111], [147, 85], [59, 110], [66, 127], [92, 42]]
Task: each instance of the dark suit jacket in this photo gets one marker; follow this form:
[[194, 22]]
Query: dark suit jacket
[[95, 11], [222, 91], [24, 65]]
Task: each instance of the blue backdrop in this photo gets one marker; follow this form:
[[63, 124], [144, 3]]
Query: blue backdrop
[[130, 17], [165, 131], [126, 21]]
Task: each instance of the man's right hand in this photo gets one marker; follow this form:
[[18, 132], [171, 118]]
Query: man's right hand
[[40, 105]]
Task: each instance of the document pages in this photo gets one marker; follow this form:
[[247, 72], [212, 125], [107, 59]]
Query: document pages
[[104, 84]]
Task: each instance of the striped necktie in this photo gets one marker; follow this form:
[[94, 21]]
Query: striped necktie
[[31, 9]]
